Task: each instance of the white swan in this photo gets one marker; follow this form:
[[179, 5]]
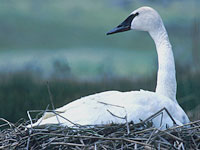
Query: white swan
[[111, 106]]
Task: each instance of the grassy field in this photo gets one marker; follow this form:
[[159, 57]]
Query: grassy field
[[23, 91]]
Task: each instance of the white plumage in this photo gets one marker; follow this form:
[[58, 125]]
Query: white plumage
[[113, 106]]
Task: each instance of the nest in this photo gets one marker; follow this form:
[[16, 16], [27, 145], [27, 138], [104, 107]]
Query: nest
[[113, 136]]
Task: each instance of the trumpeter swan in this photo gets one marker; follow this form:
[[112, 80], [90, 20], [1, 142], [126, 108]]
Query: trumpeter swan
[[113, 106]]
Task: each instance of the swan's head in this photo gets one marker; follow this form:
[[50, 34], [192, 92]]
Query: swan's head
[[143, 19]]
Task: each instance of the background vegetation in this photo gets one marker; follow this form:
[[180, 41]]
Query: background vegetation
[[64, 42]]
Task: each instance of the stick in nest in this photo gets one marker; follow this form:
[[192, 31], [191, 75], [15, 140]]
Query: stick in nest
[[51, 100], [158, 113], [125, 117]]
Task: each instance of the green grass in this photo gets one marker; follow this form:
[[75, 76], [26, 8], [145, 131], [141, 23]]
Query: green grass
[[23, 91]]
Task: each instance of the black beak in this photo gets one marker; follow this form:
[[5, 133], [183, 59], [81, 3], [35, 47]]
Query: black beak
[[124, 26], [119, 29]]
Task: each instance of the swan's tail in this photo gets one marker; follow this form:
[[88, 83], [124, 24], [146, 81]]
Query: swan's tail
[[47, 118]]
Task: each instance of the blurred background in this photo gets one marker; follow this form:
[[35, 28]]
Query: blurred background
[[64, 42]]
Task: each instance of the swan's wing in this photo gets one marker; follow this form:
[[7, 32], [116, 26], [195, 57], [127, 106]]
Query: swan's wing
[[87, 110]]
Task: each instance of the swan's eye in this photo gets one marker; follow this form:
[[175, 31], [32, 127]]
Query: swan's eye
[[137, 13]]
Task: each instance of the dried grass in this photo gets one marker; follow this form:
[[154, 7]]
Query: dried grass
[[113, 136]]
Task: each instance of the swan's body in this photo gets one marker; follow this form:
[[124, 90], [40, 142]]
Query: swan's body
[[113, 106], [100, 109]]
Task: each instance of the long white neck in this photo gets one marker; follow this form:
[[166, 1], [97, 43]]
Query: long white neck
[[166, 77]]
